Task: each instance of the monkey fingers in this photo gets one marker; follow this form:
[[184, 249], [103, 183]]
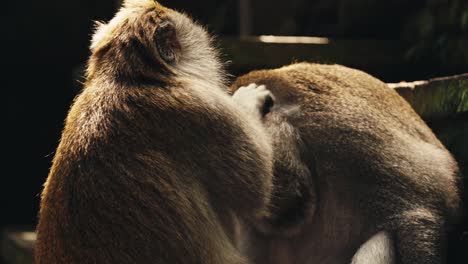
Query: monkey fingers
[[257, 100]]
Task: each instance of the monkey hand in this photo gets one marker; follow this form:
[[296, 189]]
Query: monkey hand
[[257, 100]]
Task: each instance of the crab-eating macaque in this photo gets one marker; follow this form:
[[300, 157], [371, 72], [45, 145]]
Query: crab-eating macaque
[[156, 161], [358, 176]]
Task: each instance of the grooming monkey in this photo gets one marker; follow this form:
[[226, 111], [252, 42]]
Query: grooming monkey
[[156, 162], [358, 176]]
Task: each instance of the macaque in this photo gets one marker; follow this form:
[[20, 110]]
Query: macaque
[[358, 176], [156, 163]]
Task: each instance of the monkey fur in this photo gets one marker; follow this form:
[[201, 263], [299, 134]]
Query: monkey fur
[[156, 161], [358, 176]]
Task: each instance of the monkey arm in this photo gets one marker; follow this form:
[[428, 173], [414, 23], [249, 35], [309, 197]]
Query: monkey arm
[[294, 197]]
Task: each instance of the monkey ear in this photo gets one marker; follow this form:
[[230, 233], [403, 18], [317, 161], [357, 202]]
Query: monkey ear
[[167, 43]]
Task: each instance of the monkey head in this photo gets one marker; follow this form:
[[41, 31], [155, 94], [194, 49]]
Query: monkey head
[[148, 43]]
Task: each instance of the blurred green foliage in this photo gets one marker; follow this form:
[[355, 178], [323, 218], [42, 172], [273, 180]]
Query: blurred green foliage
[[438, 33]]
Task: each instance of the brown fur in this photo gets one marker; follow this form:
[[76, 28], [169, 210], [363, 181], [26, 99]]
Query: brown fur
[[156, 162], [352, 159]]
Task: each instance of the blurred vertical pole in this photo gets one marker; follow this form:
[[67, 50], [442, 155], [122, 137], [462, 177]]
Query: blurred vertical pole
[[245, 15]]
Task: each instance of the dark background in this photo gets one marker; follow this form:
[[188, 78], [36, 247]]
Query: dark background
[[44, 43]]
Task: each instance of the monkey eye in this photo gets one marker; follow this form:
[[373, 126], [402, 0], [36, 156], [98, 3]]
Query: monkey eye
[[166, 41]]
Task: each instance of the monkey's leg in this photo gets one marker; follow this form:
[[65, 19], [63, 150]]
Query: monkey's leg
[[420, 238], [378, 249]]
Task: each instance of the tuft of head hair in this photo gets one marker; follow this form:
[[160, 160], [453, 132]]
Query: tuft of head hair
[[139, 3]]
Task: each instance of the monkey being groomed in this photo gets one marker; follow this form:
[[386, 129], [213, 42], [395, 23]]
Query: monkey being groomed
[[156, 161], [358, 176]]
